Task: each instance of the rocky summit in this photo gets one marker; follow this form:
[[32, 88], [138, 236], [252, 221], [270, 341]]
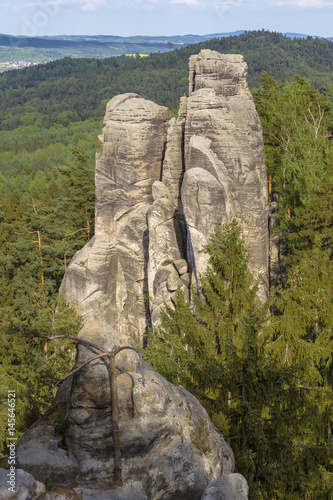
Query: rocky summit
[[162, 185], [169, 447]]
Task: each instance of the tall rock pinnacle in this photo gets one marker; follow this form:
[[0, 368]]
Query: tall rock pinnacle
[[162, 185], [107, 279], [225, 174]]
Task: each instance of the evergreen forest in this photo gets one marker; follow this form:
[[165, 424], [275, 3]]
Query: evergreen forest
[[263, 372]]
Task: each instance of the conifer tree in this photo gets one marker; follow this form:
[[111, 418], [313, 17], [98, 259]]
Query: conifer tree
[[231, 358], [217, 350], [297, 121], [39, 234]]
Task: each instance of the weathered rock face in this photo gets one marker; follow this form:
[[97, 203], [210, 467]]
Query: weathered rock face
[[161, 188], [229, 487], [169, 447], [165, 247], [225, 73], [128, 161], [107, 280], [225, 174], [19, 485], [82, 493]]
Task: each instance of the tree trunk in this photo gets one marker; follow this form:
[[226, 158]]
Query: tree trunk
[[115, 422], [40, 255]]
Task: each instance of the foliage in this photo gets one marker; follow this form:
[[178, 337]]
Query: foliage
[[234, 361], [40, 232], [28, 366], [297, 121], [54, 92]]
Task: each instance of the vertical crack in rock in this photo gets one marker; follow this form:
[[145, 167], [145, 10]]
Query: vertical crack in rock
[[167, 267], [145, 245]]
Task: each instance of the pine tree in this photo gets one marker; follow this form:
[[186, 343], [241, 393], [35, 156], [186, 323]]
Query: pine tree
[[40, 232]]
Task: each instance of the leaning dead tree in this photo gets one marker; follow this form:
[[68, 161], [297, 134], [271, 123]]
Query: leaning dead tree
[[110, 355]]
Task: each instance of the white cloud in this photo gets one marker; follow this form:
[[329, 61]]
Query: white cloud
[[86, 4], [210, 4], [306, 4], [93, 4], [215, 5], [232, 5], [191, 3]]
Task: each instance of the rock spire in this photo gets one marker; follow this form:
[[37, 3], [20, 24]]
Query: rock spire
[[162, 185]]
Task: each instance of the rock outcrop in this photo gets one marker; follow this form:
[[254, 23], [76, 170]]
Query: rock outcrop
[[229, 487], [19, 485], [162, 185], [107, 279], [225, 174], [169, 447]]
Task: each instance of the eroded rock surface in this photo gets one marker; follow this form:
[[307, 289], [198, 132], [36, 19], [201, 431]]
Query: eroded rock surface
[[225, 174], [107, 279], [169, 447], [19, 485], [230, 487]]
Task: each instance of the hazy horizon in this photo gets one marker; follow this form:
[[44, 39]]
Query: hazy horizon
[[224, 33], [164, 18]]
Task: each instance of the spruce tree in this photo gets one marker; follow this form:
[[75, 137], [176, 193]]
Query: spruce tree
[[216, 351], [226, 352]]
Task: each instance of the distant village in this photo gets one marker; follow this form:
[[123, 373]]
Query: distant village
[[7, 65]]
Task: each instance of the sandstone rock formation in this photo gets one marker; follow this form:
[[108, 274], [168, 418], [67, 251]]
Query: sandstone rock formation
[[82, 493], [107, 279], [162, 185], [229, 487], [225, 174], [169, 447]]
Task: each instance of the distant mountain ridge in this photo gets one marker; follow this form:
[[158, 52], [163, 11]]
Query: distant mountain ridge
[[188, 38], [48, 48]]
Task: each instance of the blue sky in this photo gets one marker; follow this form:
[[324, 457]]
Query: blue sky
[[164, 17]]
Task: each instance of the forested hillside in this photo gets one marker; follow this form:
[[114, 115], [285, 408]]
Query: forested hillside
[[48, 48], [44, 109], [62, 86], [50, 117]]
